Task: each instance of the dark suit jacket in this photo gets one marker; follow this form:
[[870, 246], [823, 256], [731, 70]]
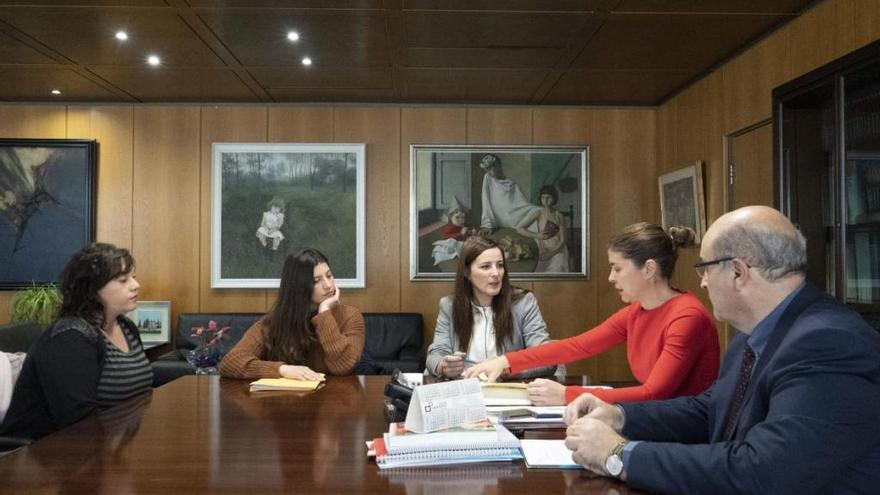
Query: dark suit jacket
[[810, 421]]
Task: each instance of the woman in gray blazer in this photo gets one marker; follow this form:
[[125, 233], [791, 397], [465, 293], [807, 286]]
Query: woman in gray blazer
[[486, 316]]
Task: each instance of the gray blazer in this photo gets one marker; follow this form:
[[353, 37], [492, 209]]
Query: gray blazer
[[529, 330]]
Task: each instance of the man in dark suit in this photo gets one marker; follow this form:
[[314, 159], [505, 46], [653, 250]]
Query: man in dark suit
[[796, 407]]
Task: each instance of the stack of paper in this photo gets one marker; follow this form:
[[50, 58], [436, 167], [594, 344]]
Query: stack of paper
[[505, 394], [479, 442], [265, 384], [548, 454]]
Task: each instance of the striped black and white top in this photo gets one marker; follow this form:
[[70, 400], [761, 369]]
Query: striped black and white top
[[125, 374]]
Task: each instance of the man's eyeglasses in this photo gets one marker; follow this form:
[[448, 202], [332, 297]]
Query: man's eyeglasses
[[703, 265]]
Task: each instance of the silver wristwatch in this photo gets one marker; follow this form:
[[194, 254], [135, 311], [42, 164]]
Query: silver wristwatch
[[614, 461]]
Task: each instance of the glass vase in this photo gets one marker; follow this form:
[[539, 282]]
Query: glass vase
[[204, 360]]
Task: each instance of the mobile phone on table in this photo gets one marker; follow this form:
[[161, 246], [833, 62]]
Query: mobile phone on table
[[515, 413]]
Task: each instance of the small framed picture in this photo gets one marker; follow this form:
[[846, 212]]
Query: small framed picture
[[681, 199], [153, 319]]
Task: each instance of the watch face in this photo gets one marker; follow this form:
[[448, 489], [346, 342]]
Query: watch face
[[614, 465]]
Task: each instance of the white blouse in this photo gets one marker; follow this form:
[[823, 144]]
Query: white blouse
[[482, 345]]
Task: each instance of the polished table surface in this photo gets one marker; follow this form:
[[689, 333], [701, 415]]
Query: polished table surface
[[205, 434]]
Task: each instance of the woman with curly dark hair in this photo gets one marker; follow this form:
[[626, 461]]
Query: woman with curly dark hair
[[92, 357]]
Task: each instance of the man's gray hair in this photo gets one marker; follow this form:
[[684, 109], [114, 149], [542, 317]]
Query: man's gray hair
[[774, 253]]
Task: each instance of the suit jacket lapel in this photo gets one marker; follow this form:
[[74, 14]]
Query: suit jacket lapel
[[803, 300]]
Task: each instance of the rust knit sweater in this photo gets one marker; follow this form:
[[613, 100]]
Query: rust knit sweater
[[340, 337]]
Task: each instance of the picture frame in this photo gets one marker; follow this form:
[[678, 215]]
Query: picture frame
[[457, 191], [47, 207], [153, 319], [273, 199], [682, 201]]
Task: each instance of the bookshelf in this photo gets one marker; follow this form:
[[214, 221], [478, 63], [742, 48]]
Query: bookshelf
[[827, 171]]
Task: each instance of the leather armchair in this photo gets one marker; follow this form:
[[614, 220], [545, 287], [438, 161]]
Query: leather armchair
[[17, 337], [393, 341]]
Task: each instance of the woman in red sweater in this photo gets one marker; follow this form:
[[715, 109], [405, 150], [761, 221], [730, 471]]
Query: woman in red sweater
[[672, 343]]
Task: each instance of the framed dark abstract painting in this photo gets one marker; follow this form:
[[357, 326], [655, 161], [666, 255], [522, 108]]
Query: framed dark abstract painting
[[47, 206]]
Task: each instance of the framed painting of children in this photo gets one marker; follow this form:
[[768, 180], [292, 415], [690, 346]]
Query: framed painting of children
[[533, 200], [269, 200]]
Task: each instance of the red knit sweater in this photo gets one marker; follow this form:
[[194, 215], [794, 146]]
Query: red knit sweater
[[672, 350]]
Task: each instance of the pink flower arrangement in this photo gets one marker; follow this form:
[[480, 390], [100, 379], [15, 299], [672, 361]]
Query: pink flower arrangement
[[209, 337]]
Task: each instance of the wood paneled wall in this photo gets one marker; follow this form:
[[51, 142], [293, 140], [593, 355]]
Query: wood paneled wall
[[691, 126], [155, 161], [154, 191]]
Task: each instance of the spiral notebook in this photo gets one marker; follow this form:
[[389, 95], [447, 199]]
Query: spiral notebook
[[430, 450]]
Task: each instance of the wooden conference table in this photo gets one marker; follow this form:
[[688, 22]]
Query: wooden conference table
[[204, 434]]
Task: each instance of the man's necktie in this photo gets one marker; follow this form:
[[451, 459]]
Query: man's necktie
[[745, 373]]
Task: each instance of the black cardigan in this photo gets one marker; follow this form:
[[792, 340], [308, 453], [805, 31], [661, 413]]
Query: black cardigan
[[59, 379]]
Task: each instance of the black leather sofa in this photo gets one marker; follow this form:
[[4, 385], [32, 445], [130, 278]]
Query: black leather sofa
[[393, 341]]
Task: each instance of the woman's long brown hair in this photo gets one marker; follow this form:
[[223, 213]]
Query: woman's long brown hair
[[502, 304], [289, 333]]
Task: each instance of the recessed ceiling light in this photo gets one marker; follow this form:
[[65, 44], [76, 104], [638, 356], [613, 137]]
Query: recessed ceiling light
[[293, 36], [306, 61], [154, 60], [121, 35], [56, 92]]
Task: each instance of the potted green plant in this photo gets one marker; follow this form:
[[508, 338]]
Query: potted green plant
[[39, 303]]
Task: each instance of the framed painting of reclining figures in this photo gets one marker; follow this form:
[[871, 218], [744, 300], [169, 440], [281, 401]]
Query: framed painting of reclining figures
[[533, 200], [271, 200]]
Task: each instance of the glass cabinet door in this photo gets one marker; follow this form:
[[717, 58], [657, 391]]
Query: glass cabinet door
[[808, 156], [861, 186], [827, 157]]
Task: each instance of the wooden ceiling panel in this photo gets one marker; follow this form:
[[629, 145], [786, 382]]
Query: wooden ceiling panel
[[13, 51], [609, 52], [90, 3], [338, 78], [288, 4], [85, 35], [622, 87], [670, 42], [494, 30], [475, 58], [726, 6], [457, 86], [359, 95], [178, 85], [258, 38], [36, 84], [510, 5]]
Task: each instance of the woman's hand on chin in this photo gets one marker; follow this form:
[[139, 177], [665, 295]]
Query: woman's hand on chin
[[330, 302]]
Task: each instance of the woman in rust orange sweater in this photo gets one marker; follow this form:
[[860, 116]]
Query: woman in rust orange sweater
[[306, 334], [671, 341]]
